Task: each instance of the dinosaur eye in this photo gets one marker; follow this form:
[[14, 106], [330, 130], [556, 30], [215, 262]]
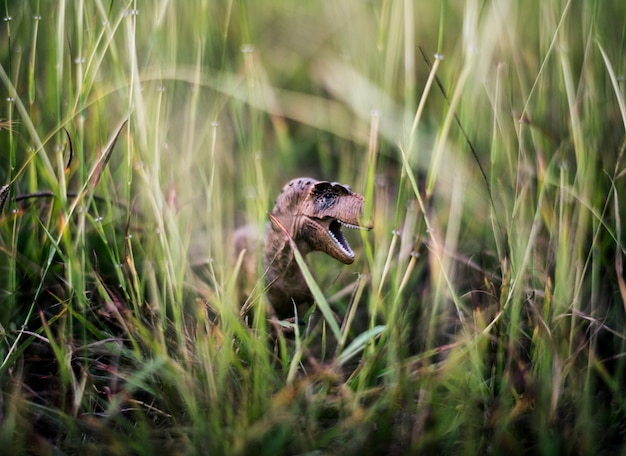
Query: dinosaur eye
[[325, 200]]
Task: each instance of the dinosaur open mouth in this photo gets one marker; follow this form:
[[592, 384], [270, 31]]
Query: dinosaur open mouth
[[334, 229]]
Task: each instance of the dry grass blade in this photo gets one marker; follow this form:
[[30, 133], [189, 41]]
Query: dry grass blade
[[619, 257], [7, 125], [4, 194], [103, 162]]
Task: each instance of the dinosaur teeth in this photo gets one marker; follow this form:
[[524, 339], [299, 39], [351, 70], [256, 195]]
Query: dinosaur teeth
[[334, 230], [343, 244], [349, 225], [354, 227]]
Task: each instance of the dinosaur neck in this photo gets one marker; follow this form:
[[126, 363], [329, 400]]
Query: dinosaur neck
[[286, 284]]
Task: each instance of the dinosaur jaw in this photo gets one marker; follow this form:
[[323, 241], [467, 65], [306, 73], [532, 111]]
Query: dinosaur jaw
[[325, 235], [335, 233]]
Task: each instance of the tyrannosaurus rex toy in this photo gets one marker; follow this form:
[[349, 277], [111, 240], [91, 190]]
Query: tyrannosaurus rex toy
[[311, 213]]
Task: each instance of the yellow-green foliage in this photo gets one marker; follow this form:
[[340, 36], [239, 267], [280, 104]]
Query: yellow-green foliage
[[486, 308]]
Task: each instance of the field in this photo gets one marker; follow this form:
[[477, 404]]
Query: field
[[484, 313]]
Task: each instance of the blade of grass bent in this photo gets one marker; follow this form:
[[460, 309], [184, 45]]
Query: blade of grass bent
[[359, 343]]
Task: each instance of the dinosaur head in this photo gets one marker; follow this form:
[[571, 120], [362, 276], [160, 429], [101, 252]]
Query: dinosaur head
[[314, 212]]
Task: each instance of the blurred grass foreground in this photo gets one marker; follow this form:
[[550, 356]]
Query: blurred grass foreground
[[485, 313]]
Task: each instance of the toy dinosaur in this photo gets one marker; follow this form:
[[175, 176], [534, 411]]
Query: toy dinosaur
[[311, 213]]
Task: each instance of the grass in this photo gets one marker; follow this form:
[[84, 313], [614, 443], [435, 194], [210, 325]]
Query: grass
[[486, 308]]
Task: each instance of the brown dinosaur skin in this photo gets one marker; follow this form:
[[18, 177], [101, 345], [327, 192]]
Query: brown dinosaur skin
[[311, 212]]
